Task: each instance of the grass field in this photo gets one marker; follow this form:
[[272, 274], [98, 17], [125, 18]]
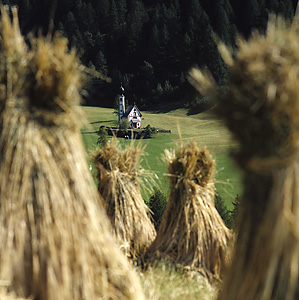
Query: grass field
[[162, 282], [205, 127]]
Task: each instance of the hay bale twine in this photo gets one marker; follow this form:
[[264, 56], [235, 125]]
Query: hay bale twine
[[192, 233], [119, 176], [261, 108], [55, 240]]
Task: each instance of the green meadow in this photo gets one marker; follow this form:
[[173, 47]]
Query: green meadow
[[204, 127]]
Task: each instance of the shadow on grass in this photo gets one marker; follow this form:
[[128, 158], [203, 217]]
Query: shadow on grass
[[191, 110], [88, 132], [107, 121], [165, 108]]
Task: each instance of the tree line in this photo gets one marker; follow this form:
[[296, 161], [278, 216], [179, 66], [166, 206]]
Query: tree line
[[148, 45]]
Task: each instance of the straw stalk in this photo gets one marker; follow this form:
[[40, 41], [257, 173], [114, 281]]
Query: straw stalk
[[55, 240], [261, 108], [119, 178], [192, 234]]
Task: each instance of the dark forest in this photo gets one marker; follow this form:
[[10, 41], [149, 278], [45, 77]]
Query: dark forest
[[148, 45]]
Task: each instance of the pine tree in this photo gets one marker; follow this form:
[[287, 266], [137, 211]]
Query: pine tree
[[101, 63], [122, 14], [222, 20], [88, 40], [138, 17], [164, 35], [157, 204], [286, 9], [222, 210], [71, 24], [103, 136], [115, 25], [102, 9], [249, 17], [154, 40], [123, 36]]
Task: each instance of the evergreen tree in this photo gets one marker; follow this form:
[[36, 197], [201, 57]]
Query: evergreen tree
[[149, 43], [285, 9], [114, 18], [272, 6], [61, 29], [223, 211], [88, 40], [71, 26], [103, 136], [102, 9], [100, 63], [249, 16], [235, 211], [122, 14], [157, 204], [152, 43], [222, 19], [138, 16]]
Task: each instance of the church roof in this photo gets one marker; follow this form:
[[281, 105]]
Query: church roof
[[130, 108]]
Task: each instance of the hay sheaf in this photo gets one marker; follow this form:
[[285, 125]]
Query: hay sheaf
[[261, 99], [119, 175], [192, 233], [6, 295], [44, 79], [55, 240], [261, 108]]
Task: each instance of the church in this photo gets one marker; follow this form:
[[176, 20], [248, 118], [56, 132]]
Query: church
[[132, 113]]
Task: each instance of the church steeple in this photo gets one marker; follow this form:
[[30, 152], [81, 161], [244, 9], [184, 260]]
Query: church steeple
[[122, 90], [121, 102]]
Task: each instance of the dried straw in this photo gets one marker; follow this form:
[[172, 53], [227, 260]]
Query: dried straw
[[6, 295], [192, 233], [261, 108], [119, 175], [55, 240]]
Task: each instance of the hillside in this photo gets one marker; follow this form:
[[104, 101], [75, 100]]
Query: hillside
[[205, 127], [148, 45]]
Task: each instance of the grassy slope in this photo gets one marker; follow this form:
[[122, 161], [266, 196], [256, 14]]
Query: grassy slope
[[204, 127], [162, 282]]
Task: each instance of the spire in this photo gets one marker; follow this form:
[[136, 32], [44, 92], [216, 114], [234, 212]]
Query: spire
[[121, 103], [122, 90]]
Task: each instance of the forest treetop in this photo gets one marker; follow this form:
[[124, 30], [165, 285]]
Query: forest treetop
[[148, 45]]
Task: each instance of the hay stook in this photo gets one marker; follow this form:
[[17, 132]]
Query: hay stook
[[192, 234], [55, 239], [119, 177], [261, 108]]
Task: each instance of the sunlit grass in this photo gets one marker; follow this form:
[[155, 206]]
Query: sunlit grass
[[165, 283], [205, 127]]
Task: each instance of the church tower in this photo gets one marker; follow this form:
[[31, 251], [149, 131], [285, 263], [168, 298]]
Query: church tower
[[121, 102]]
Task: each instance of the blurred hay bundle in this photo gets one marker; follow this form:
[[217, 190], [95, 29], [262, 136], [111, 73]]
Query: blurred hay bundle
[[119, 175], [6, 295], [261, 108], [192, 233], [55, 240]]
